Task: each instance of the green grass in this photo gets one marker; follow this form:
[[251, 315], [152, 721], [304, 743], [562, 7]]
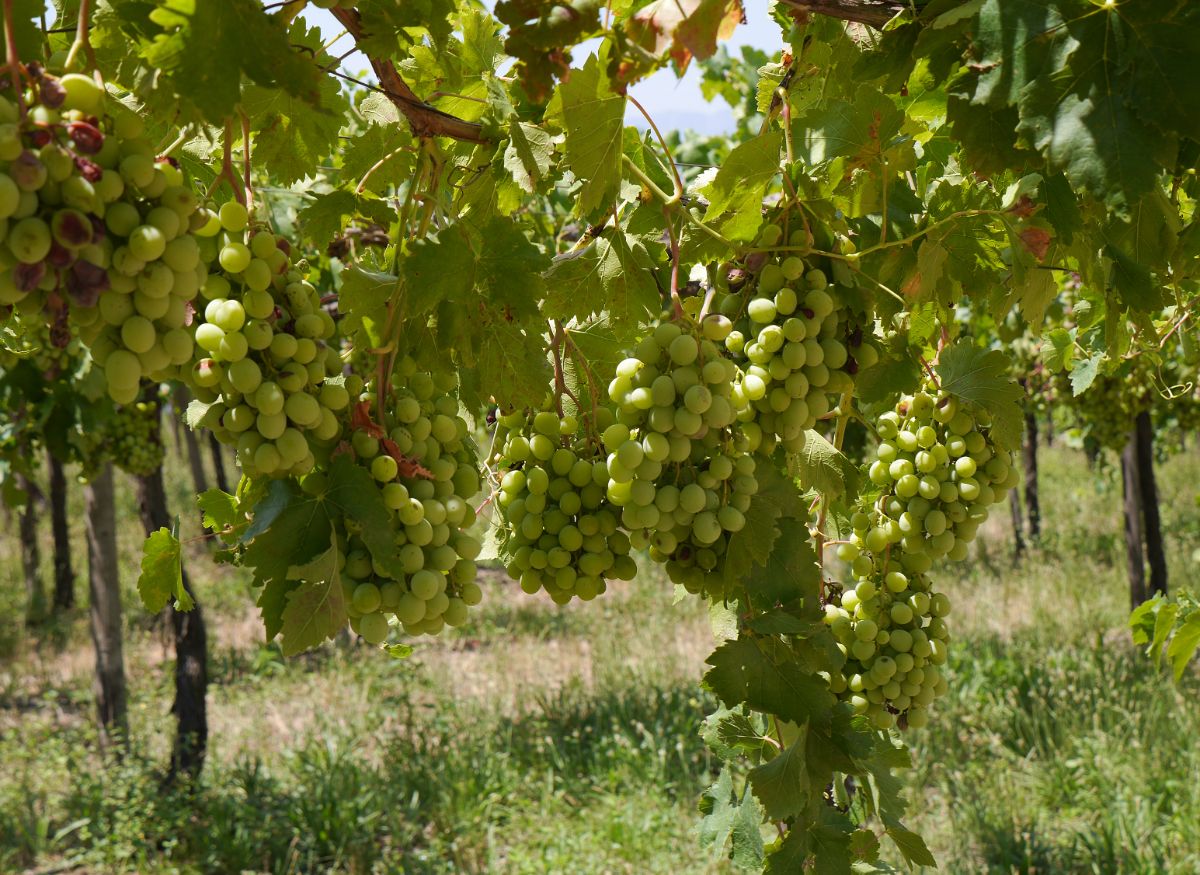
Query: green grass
[[545, 740]]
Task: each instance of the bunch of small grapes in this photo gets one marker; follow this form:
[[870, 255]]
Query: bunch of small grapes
[[423, 462], [100, 228], [1105, 412], [940, 471], [131, 438], [26, 336], [798, 345], [891, 627], [562, 533], [268, 357], [679, 465]]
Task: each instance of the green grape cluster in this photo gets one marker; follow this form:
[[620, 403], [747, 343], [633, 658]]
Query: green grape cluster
[[940, 471], [679, 465], [798, 345], [560, 529], [1105, 412], [424, 463], [891, 627], [131, 438], [28, 337], [98, 227], [268, 359]]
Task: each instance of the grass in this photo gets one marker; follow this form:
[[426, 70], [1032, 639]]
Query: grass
[[545, 740]]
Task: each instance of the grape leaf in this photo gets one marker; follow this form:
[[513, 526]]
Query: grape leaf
[[740, 184], [911, 845], [220, 510], [292, 135], [325, 216], [592, 116], [1084, 373], [362, 301], [753, 544], [271, 603], [162, 573], [511, 365], [611, 274], [437, 269], [206, 48], [782, 784], [379, 159], [821, 466], [1184, 644], [316, 609], [982, 377], [718, 805], [529, 155], [731, 733], [763, 674], [685, 29], [355, 494], [289, 527]]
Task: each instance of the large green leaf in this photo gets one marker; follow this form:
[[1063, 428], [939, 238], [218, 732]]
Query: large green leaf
[[592, 116]]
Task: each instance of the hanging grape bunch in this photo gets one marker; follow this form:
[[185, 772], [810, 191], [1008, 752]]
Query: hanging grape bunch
[[424, 464], [1105, 411], [892, 629], [264, 338], [98, 232], [560, 532], [940, 471], [679, 465], [131, 438], [797, 343]]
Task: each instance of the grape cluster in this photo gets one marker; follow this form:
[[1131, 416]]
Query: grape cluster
[[131, 439], [891, 626], [268, 358], [940, 471], [560, 529], [797, 344], [28, 337], [422, 459], [99, 228], [679, 464], [1105, 411]]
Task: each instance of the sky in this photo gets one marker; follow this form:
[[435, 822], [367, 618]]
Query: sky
[[672, 103]]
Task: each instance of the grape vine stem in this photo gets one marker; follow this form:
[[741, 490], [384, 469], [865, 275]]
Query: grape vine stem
[[662, 142], [82, 41], [13, 62], [673, 203], [425, 120], [226, 173]]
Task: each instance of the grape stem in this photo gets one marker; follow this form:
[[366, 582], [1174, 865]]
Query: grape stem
[[662, 142], [14, 64], [671, 202], [676, 302], [246, 162], [226, 173], [560, 383], [82, 42]]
